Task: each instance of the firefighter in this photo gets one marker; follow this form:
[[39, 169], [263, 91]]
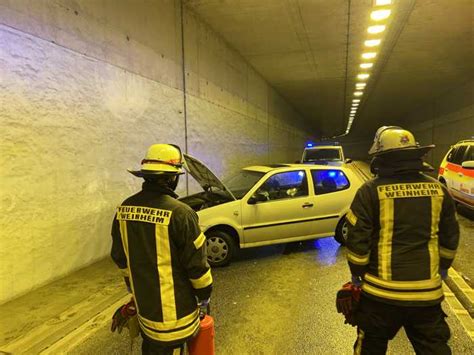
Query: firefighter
[[158, 245], [402, 238]]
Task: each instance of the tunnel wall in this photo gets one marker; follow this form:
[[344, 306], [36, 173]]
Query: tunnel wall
[[85, 87], [444, 121]]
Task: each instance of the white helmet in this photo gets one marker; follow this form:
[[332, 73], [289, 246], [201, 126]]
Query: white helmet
[[393, 138], [161, 159]]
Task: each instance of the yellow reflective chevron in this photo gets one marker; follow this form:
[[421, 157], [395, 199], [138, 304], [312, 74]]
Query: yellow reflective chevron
[[360, 339], [204, 281], [165, 272], [124, 237], [125, 272], [199, 241], [404, 296], [170, 325], [404, 285], [171, 335], [385, 240], [436, 205], [357, 259], [351, 218], [447, 253]]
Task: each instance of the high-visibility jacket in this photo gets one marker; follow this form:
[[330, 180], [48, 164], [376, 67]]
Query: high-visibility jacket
[[402, 230], [158, 244]]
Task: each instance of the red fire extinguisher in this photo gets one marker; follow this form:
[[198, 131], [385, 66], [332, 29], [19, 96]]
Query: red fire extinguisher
[[203, 343]]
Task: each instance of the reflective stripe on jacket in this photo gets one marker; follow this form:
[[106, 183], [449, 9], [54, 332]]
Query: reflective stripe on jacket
[[157, 240], [402, 230]]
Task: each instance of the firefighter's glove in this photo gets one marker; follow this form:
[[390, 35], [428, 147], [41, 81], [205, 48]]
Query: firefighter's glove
[[122, 315], [356, 281], [347, 299], [203, 307]]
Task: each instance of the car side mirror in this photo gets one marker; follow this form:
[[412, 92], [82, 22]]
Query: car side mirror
[[468, 164], [257, 197], [348, 161]]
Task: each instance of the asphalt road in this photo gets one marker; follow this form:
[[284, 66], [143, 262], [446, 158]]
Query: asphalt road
[[464, 262], [280, 300]]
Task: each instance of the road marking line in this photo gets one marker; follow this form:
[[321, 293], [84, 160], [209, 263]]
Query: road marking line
[[86, 330], [55, 328]]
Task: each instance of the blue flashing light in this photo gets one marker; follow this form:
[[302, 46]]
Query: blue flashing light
[[300, 173], [309, 145], [332, 174]]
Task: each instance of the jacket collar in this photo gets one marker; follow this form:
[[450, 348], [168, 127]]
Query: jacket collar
[[158, 189]]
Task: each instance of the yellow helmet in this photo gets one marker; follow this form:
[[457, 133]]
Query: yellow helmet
[[393, 138], [161, 159]]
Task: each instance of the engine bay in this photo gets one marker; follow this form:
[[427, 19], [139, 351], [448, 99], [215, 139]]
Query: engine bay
[[206, 199]]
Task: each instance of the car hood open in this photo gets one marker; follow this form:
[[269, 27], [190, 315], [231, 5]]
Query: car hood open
[[204, 176]]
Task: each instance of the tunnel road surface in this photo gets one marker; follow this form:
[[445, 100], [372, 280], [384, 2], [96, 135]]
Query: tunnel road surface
[[279, 300]]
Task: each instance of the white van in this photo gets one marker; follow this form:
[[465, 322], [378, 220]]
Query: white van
[[324, 155]]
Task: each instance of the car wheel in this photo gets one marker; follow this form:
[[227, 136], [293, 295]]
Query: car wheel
[[342, 231], [220, 248]]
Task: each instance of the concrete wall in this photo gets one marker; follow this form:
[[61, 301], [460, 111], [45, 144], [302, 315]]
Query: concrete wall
[[443, 122], [85, 87]]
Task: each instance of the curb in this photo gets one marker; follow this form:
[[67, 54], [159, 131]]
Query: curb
[[463, 292]]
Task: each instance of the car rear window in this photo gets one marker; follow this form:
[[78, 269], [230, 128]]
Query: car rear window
[[327, 181], [322, 154], [469, 156], [458, 157]]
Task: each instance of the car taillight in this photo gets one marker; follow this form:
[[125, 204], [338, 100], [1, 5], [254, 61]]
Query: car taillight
[[441, 171]]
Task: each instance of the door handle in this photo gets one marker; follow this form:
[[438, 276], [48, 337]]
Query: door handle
[[460, 174], [307, 205]]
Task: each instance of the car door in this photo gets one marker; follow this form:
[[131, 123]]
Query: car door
[[455, 169], [448, 172], [333, 195], [285, 213]]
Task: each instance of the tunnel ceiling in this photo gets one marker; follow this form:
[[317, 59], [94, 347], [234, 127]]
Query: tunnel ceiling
[[310, 51]]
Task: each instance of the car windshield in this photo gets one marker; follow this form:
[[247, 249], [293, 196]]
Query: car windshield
[[242, 182], [322, 154]]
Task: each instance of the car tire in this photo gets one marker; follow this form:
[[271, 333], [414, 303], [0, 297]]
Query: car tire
[[341, 231], [220, 248]]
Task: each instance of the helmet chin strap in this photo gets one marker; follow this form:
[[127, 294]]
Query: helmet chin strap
[[173, 183]]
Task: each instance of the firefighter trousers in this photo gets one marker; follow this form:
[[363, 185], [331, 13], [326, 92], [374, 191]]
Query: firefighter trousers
[[150, 347], [379, 322]]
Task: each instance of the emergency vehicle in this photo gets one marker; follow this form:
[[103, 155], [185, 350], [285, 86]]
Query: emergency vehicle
[[457, 172]]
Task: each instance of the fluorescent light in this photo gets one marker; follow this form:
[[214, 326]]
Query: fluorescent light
[[369, 55], [360, 85], [372, 42], [382, 2], [376, 29], [358, 93], [366, 65], [355, 104], [379, 15], [355, 100], [363, 76]]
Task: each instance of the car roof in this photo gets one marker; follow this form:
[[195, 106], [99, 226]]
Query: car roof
[[271, 167], [325, 147], [465, 141]]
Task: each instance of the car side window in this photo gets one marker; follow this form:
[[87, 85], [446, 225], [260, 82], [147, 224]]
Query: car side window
[[327, 181], [469, 154], [459, 156], [285, 185], [451, 154]]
